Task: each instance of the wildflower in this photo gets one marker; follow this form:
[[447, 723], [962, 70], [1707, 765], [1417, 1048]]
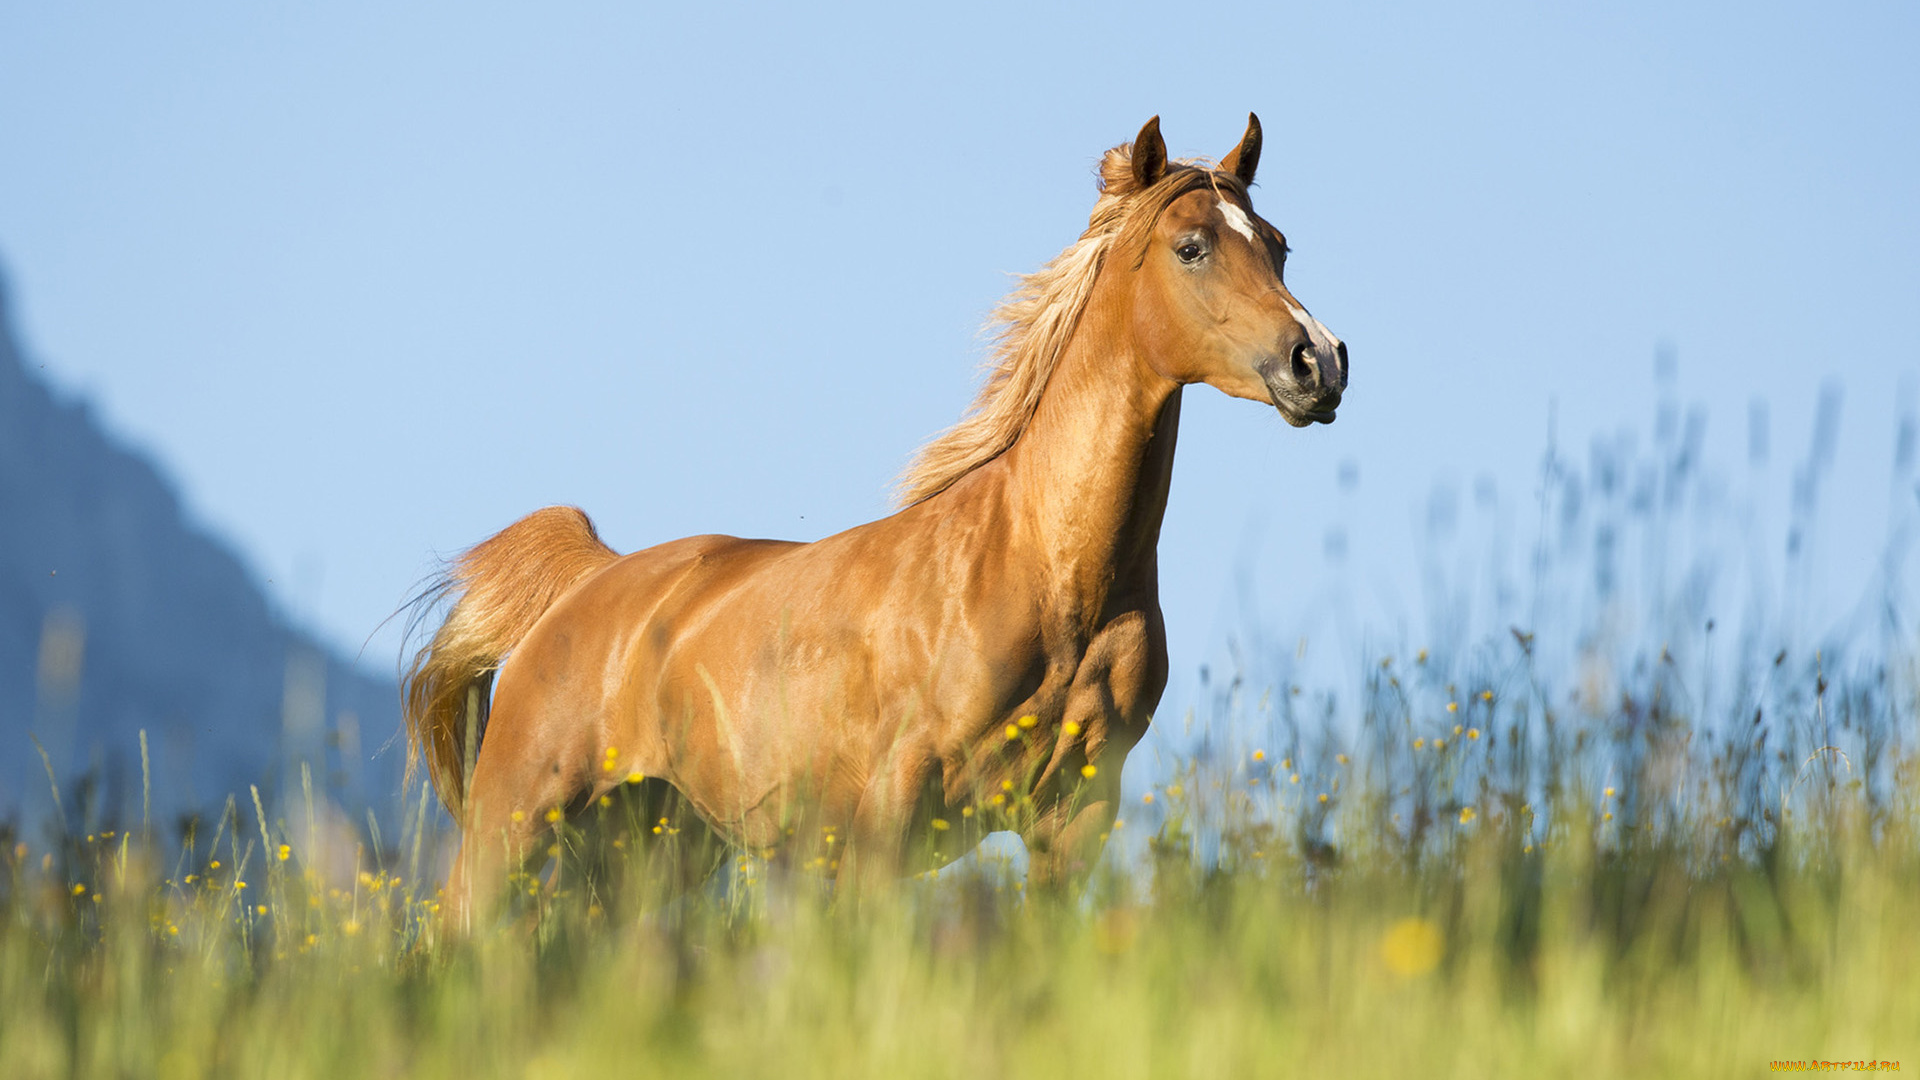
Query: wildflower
[[238, 885], [1453, 706], [190, 878], [1528, 850], [1293, 779], [636, 776], [941, 825], [285, 852], [1609, 793], [1467, 814], [1070, 728], [1088, 770], [1608, 816], [1012, 733], [1028, 721], [260, 910], [1420, 657], [1341, 758], [350, 927], [553, 852], [1323, 798], [1006, 785], [1439, 744], [79, 889], [173, 930], [518, 817], [1473, 733], [1457, 729], [966, 811], [1147, 798], [553, 815], [606, 801], [1486, 695], [1286, 763], [998, 799], [214, 865], [1259, 755], [1412, 947]]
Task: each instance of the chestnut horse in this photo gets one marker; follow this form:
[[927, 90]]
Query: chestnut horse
[[894, 690]]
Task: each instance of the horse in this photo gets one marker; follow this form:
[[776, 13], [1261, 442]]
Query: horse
[[982, 659]]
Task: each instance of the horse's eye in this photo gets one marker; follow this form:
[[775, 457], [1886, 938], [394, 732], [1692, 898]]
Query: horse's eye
[[1189, 252]]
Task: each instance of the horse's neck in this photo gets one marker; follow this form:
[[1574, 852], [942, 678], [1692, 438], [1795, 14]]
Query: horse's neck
[[1090, 473]]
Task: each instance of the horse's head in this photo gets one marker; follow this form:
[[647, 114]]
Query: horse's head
[[1210, 300]]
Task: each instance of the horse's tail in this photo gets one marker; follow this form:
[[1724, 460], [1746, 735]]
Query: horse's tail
[[501, 588]]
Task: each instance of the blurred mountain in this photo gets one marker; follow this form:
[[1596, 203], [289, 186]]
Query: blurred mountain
[[118, 615]]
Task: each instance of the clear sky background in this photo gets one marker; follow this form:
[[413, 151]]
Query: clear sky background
[[372, 283]]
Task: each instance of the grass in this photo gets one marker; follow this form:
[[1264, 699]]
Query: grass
[[1455, 905]]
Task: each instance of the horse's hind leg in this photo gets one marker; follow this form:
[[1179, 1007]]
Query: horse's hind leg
[[511, 802]]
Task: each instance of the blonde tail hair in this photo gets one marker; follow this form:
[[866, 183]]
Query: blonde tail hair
[[501, 586]]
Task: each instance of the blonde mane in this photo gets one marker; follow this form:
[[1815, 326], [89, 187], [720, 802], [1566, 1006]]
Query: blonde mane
[[1032, 326]]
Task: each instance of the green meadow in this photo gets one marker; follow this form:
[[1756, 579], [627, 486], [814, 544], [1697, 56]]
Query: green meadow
[[1473, 884]]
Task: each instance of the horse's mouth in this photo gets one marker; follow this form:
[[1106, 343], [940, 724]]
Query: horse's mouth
[[1305, 411]]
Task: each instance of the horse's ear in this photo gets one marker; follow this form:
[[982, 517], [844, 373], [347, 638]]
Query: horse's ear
[[1243, 159], [1149, 155]]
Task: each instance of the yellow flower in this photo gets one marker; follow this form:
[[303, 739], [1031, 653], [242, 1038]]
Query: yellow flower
[[1341, 758], [966, 811], [1609, 793], [1323, 798], [1286, 763], [1420, 657], [1457, 729], [239, 885], [518, 817], [1147, 798], [1294, 779], [285, 852], [606, 801], [940, 825], [78, 889], [1012, 733], [636, 776], [1453, 706], [553, 815], [1439, 744], [1259, 755], [214, 865], [1473, 733], [1006, 785], [1467, 814], [1027, 721], [1412, 947], [1486, 695], [998, 799], [1070, 728], [260, 910], [1418, 743], [1088, 770], [1608, 816]]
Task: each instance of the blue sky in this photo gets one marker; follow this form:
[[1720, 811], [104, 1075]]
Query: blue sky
[[373, 283]]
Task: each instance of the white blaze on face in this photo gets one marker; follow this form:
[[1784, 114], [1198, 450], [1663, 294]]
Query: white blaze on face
[[1325, 345], [1237, 220]]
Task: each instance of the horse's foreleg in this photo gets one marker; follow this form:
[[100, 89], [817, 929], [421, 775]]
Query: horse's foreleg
[[1066, 842]]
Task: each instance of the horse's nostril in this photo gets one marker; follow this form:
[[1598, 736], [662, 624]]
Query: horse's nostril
[[1342, 350], [1303, 369]]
